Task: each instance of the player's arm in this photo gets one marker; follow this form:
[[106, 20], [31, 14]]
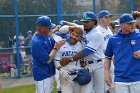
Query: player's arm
[[108, 79], [65, 29], [108, 54], [85, 52], [91, 47], [54, 50]]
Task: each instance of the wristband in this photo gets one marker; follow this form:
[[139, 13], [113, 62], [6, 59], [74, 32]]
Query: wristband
[[55, 48]]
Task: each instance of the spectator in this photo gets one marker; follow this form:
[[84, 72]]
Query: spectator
[[28, 46]]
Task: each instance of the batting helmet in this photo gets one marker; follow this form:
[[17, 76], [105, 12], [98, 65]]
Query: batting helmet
[[83, 77]]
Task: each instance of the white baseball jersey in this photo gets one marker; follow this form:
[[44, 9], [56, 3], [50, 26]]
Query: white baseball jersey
[[107, 33], [68, 50], [94, 41]]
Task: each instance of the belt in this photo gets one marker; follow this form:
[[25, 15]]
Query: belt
[[90, 62], [72, 72]]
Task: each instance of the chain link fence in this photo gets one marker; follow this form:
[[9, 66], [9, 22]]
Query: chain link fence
[[29, 10]]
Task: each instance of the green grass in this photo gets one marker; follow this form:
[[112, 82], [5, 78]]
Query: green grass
[[23, 89]]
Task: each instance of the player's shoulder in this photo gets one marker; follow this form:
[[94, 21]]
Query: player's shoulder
[[99, 27], [65, 46], [96, 32], [79, 44]]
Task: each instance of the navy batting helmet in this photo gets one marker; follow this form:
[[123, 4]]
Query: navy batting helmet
[[83, 77]]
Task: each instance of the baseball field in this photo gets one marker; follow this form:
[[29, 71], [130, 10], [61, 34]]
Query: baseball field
[[22, 89]]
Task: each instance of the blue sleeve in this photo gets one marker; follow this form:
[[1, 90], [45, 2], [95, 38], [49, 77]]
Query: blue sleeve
[[39, 52], [109, 50], [87, 51]]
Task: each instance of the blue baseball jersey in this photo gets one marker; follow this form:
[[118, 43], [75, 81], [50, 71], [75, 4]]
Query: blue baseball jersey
[[122, 46], [41, 47]]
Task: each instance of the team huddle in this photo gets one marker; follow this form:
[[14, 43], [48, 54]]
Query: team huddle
[[87, 58]]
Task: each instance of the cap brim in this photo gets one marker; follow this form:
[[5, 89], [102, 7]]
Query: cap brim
[[84, 20], [51, 26], [131, 21], [117, 25], [109, 15]]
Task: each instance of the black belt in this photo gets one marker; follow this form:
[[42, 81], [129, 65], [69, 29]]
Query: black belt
[[72, 72], [90, 62]]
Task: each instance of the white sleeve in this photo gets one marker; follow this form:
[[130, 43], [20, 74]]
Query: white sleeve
[[58, 56], [64, 29], [95, 41]]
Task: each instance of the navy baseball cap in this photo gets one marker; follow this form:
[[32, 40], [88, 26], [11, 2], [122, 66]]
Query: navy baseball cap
[[116, 22], [88, 16], [104, 13], [83, 77], [126, 18], [45, 21]]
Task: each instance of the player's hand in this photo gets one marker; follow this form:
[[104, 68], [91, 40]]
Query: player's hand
[[64, 61], [59, 44], [64, 73], [56, 28], [108, 78], [83, 63], [136, 54]]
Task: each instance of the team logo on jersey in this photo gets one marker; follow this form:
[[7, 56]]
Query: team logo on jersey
[[69, 53], [133, 42]]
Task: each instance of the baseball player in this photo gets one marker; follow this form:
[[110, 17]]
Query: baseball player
[[104, 20], [67, 73], [126, 50], [103, 27], [116, 26], [56, 38], [44, 49], [92, 52]]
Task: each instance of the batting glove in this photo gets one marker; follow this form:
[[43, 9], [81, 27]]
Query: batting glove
[[64, 73]]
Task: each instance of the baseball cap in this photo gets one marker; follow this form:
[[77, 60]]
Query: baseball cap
[[116, 22], [126, 18], [104, 13], [62, 23], [76, 22], [45, 21], [29, 32], [88, 16], [83, 77]]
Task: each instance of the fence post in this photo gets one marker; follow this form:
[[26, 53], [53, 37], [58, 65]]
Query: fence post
[[131, 5], [59, 10], [94, 6], [17, 39]]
